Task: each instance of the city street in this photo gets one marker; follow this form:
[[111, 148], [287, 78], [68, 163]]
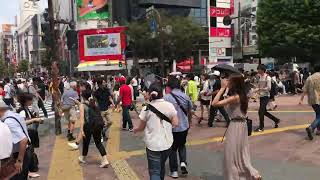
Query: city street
[[278, 154]]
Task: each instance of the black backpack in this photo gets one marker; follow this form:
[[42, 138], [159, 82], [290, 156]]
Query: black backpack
[[94, 118]]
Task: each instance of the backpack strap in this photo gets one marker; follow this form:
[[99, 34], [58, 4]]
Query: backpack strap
[[158, 113], [179, 104]]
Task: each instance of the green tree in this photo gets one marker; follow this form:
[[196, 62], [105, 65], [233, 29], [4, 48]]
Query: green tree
[[289, 28], [23, 66], [179, 36], [3, 69], [11, 69]]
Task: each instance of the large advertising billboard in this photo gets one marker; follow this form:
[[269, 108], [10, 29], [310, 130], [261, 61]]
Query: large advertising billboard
[[102, 44], [92, 9]]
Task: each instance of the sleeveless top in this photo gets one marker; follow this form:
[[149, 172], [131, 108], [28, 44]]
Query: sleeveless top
[[235, 111]]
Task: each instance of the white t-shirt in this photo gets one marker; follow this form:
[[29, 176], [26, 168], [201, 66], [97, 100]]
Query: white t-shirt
[[5, 141], [7, 89], [158, 133], [134, 82]]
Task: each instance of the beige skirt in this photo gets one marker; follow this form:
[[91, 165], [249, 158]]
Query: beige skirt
[[237, 162]]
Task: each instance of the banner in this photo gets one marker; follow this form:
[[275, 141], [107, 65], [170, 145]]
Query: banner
[[102, 44], [97, 45], [92, 9]]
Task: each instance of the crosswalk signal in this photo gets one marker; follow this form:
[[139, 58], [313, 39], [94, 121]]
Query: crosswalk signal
[[120, 64]]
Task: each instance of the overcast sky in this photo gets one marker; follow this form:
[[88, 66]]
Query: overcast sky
[[10, 8]]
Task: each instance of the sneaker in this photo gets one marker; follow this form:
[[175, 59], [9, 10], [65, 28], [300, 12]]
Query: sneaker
[[130, 129], [82, 159], [33, 175], [174, 174], [74, 146], [277, 124], [104, 163], [184, 170], [309, 131], [259, 130]]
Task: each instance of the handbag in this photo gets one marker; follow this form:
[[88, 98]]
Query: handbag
[[7, 167], [249, 125]]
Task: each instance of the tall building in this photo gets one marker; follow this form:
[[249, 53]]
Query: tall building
[[200, 15], [220, 35], [127, 10]]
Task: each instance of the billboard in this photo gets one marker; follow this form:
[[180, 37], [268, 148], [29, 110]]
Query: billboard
[[102, 44], [92, 9]]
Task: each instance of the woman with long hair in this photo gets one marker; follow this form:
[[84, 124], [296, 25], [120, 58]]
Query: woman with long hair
[[237, 162], [89, 117]]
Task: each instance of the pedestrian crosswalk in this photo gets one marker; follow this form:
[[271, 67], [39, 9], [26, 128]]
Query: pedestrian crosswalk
[[47, 105]]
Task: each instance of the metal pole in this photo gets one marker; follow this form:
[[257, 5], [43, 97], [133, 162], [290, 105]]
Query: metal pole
[[160, 30], [239, 28], [55, 70]]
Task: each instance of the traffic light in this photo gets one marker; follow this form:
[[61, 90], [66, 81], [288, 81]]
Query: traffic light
[[120, 64], [72, 39], [45, 28]]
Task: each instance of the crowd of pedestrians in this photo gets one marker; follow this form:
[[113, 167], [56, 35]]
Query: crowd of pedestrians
[[166, 117]]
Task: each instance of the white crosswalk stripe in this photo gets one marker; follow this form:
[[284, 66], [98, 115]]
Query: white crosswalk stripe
[[47, 105]]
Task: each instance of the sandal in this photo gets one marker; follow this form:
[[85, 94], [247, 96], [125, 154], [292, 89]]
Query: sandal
[[200, 119], [258, 177]]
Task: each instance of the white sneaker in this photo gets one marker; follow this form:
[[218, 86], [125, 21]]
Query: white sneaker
[[174, 174], [82, 159], [74, 146], [104, 164]]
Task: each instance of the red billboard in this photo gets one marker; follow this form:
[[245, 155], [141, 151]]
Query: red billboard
[[219, 12], [102, 44], [220, 32]]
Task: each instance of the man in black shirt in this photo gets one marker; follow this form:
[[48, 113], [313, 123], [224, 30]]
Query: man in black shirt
[[214, 86], [104, 99]]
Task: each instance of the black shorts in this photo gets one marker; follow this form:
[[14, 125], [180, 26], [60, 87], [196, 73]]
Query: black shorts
[[205, 102]]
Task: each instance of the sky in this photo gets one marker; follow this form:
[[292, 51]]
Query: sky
[[10, 8]]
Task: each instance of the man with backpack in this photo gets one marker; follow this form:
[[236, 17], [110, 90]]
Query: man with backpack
[[10, 92], [264, 88]]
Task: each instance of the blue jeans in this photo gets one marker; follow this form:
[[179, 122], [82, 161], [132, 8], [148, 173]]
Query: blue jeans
[[126, 119], [316, 122], [156, 163]]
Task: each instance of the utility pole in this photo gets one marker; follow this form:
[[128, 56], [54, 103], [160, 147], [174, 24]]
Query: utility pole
[[54, 69]]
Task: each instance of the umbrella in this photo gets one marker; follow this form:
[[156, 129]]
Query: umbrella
[[225, 68]]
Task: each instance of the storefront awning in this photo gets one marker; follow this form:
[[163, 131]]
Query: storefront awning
[[110, 65]]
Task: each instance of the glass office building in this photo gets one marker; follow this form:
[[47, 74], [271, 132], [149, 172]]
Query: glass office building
[[200, 15]]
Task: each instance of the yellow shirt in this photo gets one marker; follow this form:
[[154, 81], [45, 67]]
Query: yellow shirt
[[192, 90]]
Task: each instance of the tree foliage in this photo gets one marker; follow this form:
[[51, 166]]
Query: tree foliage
[[289, 28], [23, 66], [3, 69], [178, 43]]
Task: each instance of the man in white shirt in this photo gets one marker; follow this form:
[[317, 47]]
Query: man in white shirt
[[8, 98], [134, 83], [20, 137], [5, 141]]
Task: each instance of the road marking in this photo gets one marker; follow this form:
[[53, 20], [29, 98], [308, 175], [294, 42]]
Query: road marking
[[123, 170], [120, 167], [64, 163], [291, 111], [129, 154], [113, 145]]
